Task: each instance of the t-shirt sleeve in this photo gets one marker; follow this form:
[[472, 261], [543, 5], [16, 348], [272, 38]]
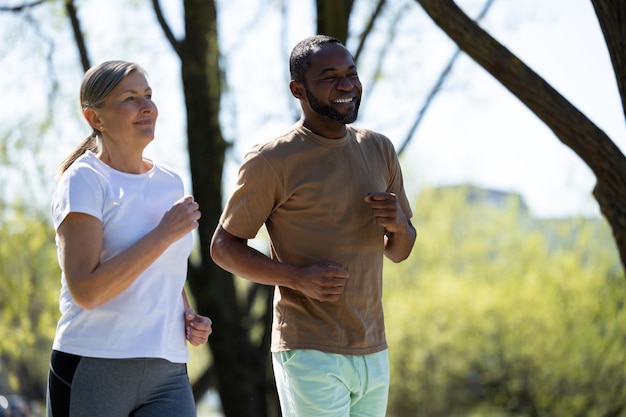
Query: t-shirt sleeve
[[79, 191], [396, 182], [256, 195]]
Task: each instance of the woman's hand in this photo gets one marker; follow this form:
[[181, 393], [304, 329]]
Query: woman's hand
[[197, 327], [181, 219]]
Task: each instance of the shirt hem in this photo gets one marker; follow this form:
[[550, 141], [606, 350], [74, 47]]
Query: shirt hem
[[340, 350]]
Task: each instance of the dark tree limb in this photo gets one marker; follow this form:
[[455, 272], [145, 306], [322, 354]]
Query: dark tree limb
[[70, 8], [568, 123], [21, 7], [364, 36], [167, 31], [382, 52], [438, 84], [611, 15]]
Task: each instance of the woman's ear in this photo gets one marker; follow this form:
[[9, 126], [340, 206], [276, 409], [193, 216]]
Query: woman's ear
[[92, 117]]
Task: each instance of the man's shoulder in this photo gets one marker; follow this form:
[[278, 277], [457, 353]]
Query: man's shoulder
[[282, 143], [364, 135]]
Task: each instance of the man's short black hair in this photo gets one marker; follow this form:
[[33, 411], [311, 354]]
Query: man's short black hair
[[300, 59]]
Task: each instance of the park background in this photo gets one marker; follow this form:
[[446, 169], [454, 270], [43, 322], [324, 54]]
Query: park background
[[510, 304]]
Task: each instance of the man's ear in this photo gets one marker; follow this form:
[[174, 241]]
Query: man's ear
[[297, 90]]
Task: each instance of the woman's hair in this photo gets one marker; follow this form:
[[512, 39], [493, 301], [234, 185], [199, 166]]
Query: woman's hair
[[97, 83], [300, 58]]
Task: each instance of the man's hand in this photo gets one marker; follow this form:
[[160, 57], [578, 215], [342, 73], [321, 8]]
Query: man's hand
[[387, 211], [323, 281]]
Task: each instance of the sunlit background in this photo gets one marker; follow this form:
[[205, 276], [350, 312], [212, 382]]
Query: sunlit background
[[474, 131]]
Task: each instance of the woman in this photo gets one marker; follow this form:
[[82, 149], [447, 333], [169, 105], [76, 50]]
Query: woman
[[123, 233]]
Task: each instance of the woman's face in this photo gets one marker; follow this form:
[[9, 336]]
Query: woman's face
[[128, 116]]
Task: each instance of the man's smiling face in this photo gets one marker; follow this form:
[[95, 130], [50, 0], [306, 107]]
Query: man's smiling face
[[332, 85]]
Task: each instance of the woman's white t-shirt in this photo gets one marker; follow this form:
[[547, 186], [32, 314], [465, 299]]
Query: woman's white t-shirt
[[146, 320]]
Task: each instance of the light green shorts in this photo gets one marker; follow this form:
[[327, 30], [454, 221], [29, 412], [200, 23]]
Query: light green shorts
[[311, 383]]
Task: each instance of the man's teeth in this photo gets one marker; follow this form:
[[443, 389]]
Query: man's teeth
[[343, 100]]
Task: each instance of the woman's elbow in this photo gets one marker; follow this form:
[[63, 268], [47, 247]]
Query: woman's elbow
[[84, 301], [82, 296]]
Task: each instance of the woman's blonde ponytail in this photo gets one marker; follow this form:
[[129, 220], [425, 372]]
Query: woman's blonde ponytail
[[90, 143]]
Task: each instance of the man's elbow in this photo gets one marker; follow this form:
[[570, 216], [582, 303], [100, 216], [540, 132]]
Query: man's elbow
[[222, 247], [397, 258], [217, 249], [399, 250]]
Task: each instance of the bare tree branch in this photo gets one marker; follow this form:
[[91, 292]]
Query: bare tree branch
[[574, 129], [176, 44], [438, 84], [22, 7], [368, 28], [70, 8], [383, 51], [567, 122], [611, 15]]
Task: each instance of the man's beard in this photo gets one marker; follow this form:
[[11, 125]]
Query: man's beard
[[329, 112]]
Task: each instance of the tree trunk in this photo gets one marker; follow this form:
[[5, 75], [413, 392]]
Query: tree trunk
[[333, 18], [237, 370], [571, 126]]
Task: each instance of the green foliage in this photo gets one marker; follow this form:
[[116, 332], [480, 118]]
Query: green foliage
[[498, 314], [29, 288]]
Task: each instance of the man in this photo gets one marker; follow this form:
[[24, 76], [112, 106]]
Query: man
[[332, 199]]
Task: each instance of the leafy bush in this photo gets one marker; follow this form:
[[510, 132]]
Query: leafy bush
[[29, 290], [498, 314]]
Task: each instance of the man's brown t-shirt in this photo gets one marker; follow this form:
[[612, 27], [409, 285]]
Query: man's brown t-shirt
[[309, 192]]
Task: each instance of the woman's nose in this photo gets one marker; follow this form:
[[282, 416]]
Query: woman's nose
[[148, 105]]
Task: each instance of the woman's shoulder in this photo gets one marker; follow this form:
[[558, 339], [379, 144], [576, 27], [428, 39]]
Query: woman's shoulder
[[165, 170], [86, 165]]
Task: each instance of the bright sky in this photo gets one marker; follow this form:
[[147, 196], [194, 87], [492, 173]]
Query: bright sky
[[475, 132]]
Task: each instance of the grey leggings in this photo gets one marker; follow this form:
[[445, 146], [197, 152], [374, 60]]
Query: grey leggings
[[80, 386]]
